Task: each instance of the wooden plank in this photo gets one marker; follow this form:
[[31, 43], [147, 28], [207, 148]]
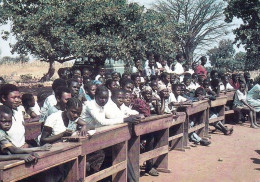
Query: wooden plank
[[119, 154], [152, 154], [153, 125], [197, 108], [134, 153], [175, 137], [229, 112], [107, 172], [222, 100], [197, 127], [216, 119]]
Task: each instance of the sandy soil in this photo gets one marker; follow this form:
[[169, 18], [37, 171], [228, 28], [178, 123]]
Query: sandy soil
[[229, 158]]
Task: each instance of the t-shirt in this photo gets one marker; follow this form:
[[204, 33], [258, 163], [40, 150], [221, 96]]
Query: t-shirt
[[17, 130], [36, 109], [178, 69], [4, 141], [56, 122]]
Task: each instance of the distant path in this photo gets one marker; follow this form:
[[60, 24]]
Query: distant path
[[240, 155]]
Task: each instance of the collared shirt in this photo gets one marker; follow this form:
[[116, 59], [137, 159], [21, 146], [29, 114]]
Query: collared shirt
[[17, 130], [95, 115], [49, 102], [178, 69]]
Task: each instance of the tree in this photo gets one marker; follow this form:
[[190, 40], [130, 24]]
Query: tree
[[248, 34], [194, 24], [97, 30]]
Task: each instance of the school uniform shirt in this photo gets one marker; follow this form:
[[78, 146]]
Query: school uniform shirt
[[5, 141], [52, 110], [228, 87], [178, 69], [122, 112], [36, 109], [49, 102], [193, 86], [95, 115], [239, 96], [17, 130], [134, 69], [55, 122], [172, 98], [167, 69], [127, 111]]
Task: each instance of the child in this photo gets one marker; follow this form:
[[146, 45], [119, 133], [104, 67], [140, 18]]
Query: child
[[116, 77], [225, 85], [149, 69], [74, 86], [63, 73], [165, 80], [31, 107], [154, 86], [41, 96], [76, 73], [128, 85], [234, 82], [62, 95], [90, 89], [241, 105], [8, 150], [111, 85], [101, 72], [136, 79], [253, 97], [64, 123], [138, 66]]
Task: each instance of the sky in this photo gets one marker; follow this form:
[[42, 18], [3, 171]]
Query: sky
[[6, 50]]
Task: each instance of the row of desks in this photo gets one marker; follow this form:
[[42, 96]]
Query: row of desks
[[124, 140]]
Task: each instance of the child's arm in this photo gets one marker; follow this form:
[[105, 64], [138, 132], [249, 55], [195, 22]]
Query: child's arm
[[84, 127], [250, 107], [47, 138], [25, 157]]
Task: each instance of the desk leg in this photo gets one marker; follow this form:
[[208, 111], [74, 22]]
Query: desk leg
[[207, 123], [82, 167], [134, 155], [177, 144], [161, 139], [73, 173], [201, 132], [119, 154], [185, 131]]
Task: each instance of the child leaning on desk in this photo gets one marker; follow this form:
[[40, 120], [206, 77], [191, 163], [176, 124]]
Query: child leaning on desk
[[8, 150]]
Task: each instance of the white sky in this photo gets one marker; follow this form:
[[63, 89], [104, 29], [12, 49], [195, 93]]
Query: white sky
[[6, 50]]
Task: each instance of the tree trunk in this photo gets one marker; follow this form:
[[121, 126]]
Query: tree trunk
[[50, 72]]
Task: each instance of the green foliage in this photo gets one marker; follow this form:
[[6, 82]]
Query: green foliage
[[96, 29], [21, 58], [193, 24], [248, 33], [224, 56]]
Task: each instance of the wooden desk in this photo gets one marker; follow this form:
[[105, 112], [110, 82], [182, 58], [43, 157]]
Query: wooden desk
[[160, 125], [108, 136], [176, 131], [59, 154], [198, 114], [220, 103]]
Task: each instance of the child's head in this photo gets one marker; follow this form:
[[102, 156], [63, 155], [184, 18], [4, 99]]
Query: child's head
[[101, 70], [5, 118], [199, 92], [128, 98], [194, 77], [57, 83], [74, 86], [73, 108], [179, 57], [165, 78], [86, 73], [215, 85], [183, 89], [201, 79], [147, 93], [118, 96], [235, 77], [163, 91], [176, 88], [28, 100], [225, 79], [203, 60], [154, 85], [206, 85], [101, 95], [126, 76], [62, 95], [10, 96], [186, 81], [41, 96], [102, 80], [170, 61], [174, 79], [136, 79], [151, 63], [137, 62], [90, 89], [116, 76], [242, 87], [111, 84], [214, 74], [64, 73], [247, 76], [150, 55], [76, 72], [187, 66], [128, 85]]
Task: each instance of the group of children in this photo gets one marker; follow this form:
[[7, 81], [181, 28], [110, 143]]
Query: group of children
[[82, 101]]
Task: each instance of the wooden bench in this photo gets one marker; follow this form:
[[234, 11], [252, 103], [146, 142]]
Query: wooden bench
[[159, 124], [220, 103], [198, 114], [108, 136], [60, 153], [176, 131]]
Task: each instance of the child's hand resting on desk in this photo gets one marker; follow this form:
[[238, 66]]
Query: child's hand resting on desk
[[27, 158], [46, 147], [135, 119]]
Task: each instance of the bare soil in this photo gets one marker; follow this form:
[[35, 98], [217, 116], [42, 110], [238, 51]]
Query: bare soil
[[228, 158]]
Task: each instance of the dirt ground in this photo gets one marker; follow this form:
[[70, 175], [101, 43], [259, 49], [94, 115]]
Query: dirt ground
[[234, 158]]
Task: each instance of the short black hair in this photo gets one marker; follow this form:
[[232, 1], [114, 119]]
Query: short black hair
[[101, 89], [117, 91], [71, 80], [199, 90], [60, 90], [5, 109], [74, 102], [214, 82], [126, 81], [164, 75], [213, 73], [134, 76], [41, 96], [57, 83], [178, 56], [60, 71], [26, 98], [88, 85], [6, 89], [108, 82], [187, 75]]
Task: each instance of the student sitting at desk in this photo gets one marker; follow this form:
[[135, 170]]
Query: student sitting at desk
[[31, 107], [241, 105], [8, 150]]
